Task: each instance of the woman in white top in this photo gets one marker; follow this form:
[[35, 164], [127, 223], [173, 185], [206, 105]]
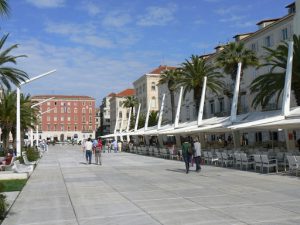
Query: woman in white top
[[88, 150]]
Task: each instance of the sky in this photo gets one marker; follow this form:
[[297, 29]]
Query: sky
[[102, 46]]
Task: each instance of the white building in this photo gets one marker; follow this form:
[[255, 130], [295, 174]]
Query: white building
[[118, 113], [105, 114]]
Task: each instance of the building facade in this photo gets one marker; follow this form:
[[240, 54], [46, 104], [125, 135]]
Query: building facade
[[146, 89], [119, 115], [270, 34], [66, 117], [105, 114]]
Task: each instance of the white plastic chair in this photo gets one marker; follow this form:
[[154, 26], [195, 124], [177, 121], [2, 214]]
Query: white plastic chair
[[266, 162]]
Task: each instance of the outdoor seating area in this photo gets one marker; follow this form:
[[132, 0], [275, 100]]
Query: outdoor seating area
[[254, 159]]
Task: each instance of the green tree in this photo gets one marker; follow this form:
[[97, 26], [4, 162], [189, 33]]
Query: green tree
[[4, 8], [170, 77], [271, 84], [192, 74], [10, 74], [8, 114], [153, 118], [142, 120], [234, 53], [131, 102]]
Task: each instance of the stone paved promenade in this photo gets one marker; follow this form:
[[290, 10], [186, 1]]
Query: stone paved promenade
[[138, 190]]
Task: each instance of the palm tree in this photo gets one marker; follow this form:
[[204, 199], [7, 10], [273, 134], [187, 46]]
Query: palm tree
[[130, 102], [142, 119], [170, 77], [10, 74], [192, 75], [153, 118], [4, 8], [234, 53], [8, 114], [272, 84]]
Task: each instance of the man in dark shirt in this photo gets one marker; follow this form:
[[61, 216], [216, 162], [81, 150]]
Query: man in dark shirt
[[186, 153]]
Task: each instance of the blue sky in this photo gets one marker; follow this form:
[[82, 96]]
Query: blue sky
[[101, 46]]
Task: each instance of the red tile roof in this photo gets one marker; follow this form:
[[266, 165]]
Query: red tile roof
[[81, 97], [162, 68], [126, 92]]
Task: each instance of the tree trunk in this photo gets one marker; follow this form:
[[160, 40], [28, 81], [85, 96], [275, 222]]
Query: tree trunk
[[197, 97]]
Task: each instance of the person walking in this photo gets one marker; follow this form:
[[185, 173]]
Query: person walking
[[88, 146], [197, 154], [115, 144], [186, 153], [98, 151]]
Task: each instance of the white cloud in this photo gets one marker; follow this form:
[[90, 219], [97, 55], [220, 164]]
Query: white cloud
[[158, 16], [47, 3], [228, 10], [79, 71], [80, 33], [116, 19], [232, 18], [91, 8]]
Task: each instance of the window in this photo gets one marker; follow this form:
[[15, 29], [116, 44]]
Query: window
[[83, 110], [120, 103], [144, 87], [75, 110], [48, 127], [83, 127], [62, 118], [90, 103], [48, 103], [62, 104], [284, 34], [120, 114], [153, 86], [90, 128], [75, 118], [69, 128], [69, 110], [221, 104], [69, 103], [55, 110], [90, 110], [69, 119], [75, 127], [90, 119], [254, 47], [83, 119], [187, 108], [55, 127], [55, 103], [62, 128], [62, 110], [268, 41], [127, 115], [212, 106], [55, 118], [153, 102], [83, 103], [48, 118]]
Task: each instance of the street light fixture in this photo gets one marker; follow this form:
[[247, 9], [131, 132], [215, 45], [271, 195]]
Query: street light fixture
[[18, 138]]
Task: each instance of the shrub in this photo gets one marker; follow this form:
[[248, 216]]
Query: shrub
[[3, 203], [32, 154]]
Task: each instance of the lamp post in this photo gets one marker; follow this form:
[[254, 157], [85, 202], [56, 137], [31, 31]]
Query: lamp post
[[35, 105], [18, 138]]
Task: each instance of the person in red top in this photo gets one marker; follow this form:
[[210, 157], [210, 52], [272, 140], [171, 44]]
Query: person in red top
[[6, 161], [98, 151]]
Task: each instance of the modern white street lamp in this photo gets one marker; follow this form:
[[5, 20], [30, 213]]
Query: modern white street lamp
[[35, 105], [18, 138]]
